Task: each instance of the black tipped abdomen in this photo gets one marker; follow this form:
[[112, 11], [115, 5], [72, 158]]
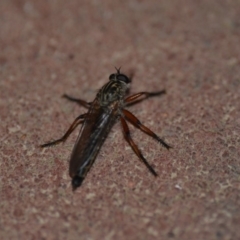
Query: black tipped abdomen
[[76, 182]]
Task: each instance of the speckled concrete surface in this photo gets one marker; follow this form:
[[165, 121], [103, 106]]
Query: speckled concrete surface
[[190, 48]]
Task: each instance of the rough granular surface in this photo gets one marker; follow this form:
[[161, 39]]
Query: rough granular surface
[[191, 49]]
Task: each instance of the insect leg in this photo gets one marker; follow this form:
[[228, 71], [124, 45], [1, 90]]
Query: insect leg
[[135, 121], [76, 122], [134, 97], [128, 138], [79, 101]]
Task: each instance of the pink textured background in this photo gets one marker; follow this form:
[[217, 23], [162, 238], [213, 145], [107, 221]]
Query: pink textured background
[[190, 48]]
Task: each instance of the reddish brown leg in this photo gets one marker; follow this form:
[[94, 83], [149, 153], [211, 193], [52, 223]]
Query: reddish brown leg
[[128, 138], [79, 101], [133, 120], [132, 98], [76, 122]]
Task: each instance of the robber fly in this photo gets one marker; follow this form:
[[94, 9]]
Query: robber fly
[[108, 106]]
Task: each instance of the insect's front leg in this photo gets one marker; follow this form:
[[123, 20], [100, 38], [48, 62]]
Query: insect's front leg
[[77, 100], [131, 99], [76, 122]]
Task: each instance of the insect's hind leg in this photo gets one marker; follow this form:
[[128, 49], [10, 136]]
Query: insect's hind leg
[[76, 122], [129, 139], [77, 100], [134, 120]]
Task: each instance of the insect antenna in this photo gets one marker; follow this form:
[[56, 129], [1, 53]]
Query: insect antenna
[[118, 70]]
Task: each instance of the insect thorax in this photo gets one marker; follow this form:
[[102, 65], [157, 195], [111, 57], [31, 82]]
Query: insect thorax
[[112, 91]]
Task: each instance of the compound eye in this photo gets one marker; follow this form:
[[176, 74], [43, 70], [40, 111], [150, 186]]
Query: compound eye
[[123, 78], [112, 77]]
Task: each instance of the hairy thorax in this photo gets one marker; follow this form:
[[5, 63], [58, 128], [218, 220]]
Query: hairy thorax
[[111, 93]]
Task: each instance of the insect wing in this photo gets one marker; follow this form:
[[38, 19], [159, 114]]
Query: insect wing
[[97, 125]]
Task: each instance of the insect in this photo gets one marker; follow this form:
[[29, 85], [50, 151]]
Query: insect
[[108, 107]]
